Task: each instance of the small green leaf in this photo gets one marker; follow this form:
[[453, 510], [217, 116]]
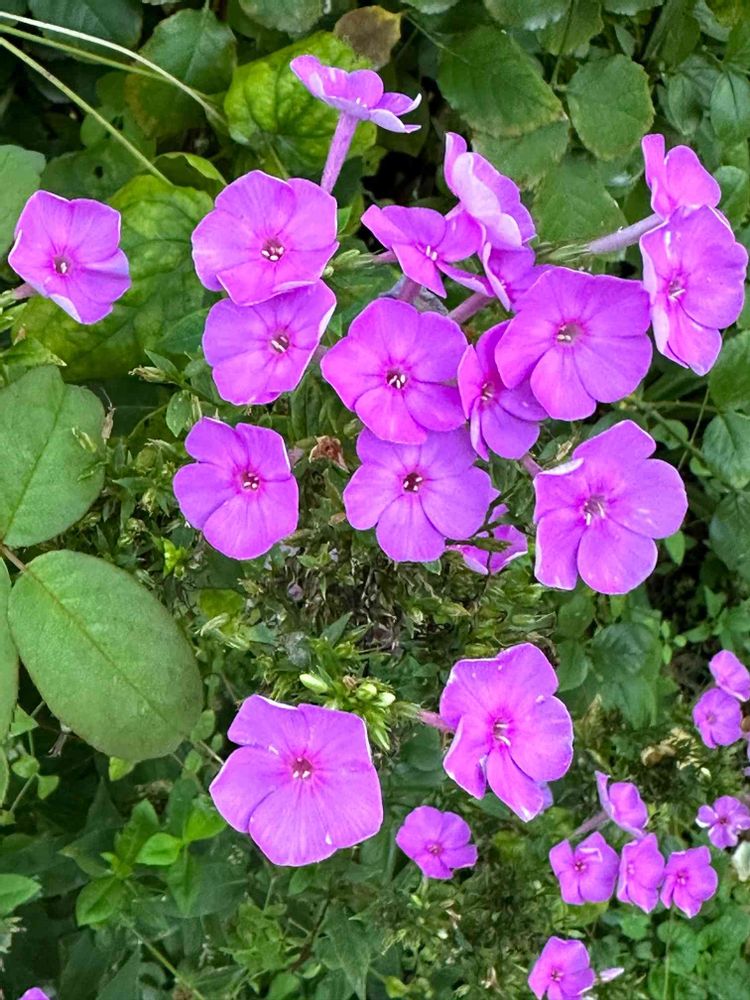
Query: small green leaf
[[19, 179], [160, 850], [191, 170], [572, 203], [627, 661], [572, 33], [730, 107], [610, 105], [525, 158], [726, 447], [203, 822], [292, 16], [4, 776], [15, 890], [8, 660], [99, 900], [729, 532], [729, 379]]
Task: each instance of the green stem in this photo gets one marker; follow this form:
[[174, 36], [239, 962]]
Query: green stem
[[161, 958], [646, 408], [695, 429]]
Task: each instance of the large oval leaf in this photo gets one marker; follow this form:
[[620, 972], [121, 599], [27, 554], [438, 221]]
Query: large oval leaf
[[8, 660], [51, 443], [106, 657]]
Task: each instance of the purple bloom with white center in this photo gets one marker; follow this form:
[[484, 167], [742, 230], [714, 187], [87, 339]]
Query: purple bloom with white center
[[718, 718], [393, 369], [689, 880], [302, 785], [510, 730], [598, 514], [265, 236], [488, 563], [510, 273], [427, 243], [580, 338], [641, 873], [437, 842], [417, 495], [725, 820], [731, 675], [501, 419], [69, 251], [487, 195], [694, 273], [677, 180], [257, 352], [240, 492], [587, 873], [562, 971], [622, 802]]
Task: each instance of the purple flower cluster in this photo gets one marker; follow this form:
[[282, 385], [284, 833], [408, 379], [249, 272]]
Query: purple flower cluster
[[563, 971], [718, 712]]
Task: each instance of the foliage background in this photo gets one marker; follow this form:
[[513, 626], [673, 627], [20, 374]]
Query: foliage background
[[131, 886]]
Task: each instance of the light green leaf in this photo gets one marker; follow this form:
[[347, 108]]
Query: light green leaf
[[160, 850], [203, 822], [528, 14], [271, 111], [114, 20], [292, 16], [107, 658], [729, 532], [525, 158], [15, 890], [574, 31], [726, 447], [610, 105], [729, 379], [730, 107], [572, 203], [99, 900], [51, 442], [8, 661], [191, 170], [495, 85], [157, 222], [19, 179]]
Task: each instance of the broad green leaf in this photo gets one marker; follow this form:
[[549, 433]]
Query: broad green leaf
[[737, 52], [432, 6], [627, 662], [528, 14], [572, 203], [610, 105], [98, 900], [292, 16], [689, 93], [525, 158], [107, 658], [52, 467], [495, 85], [198, 49], [15, 890], [730, 107], [729, 532], [125, 982], [203, 822], [191, 170], [8, 660], [157, 222], [346, 946], [573, 32], [270, 110], [729, 379], [160, 850], [19, 179], [726, 447], [114, 20], [630, 6], [735, 193]]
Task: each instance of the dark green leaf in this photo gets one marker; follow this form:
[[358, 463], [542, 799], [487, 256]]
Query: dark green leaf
[[292, 16], [115, 20], [574, 31], [729, 379], [730, 532], [610, 105], [572, 203], [627, 661], [525, 158], [19, 179], [8, 660], [726, 447], [529, 14], [730, 107]]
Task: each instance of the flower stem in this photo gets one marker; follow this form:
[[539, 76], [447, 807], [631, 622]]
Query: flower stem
[[340, 143], [409, 290], [596, 821], [623, 237], [533, 468], [470, 306], [434, 720], [24, 291]]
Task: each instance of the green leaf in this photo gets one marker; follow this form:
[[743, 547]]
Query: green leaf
[[114, 20], [528, 14], [157, 222], [142, 825], [347, 947], [737, 51], [203, 822], [8, 659], [15, 890], [571, 203], [729, 379], [99, 900], [730, 107], [630, 7], [4, 776], [573, 32], [729, 532], [191, 170], [292, 16], [51, 470], [735, 193], [200, 51], [107, 658], [19, 179], [160, 850], [495, 85], [525, 158], [271, 111], [610, 105], [726, 447], [627, 661]]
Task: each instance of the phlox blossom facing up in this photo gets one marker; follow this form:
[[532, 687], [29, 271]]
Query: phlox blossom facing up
[[265, 236], [257, 352], [731, 675], [511, 733], [598, 514], [725, 820], [437, 842], [416, 496], [622, 802], [488, 563], [677, 179], [240, 491], [393, 368], [689, 880], [718, 718], [587, 873], [641, 873], [69, 252], [562, 971]]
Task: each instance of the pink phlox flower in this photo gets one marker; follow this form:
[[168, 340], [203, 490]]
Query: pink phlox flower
[[417, 495], [641, 873], [265, 236], [725, 820], [427, 243], [69, 252], [677, 179], [511, 273], [358, 93], [580, 338], [598, 514], [718, 718], [240, 492], [393, 368], [257, 352], [488, 563], [437, 842], [689, 880], [562, 971], [731, 675], [302, 785], [501, 419], [622, 802], [510, 730], [587, 873], [694, 273], [34, 994]]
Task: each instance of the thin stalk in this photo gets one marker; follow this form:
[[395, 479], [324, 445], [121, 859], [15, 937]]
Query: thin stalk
[[625, 237], [163, 960], [340, 143], [533, 468], [84, 106], [409, 291], [12, 558], [475, 302]]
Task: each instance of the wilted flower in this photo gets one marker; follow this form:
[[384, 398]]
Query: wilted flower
[[392, 369], [257, 352], [725, 820], [417, 495], [487, 562], [562, 971], [68, 251], [302, 785], [622, 802], [579, 338], [438, 842], [265, 236], [731, 675], [694, 272], [641, 873], [689, 880], [510, 730], [587, 873], [327, 447], [718, 718], [598, 514], [240, 492], [677, 180]]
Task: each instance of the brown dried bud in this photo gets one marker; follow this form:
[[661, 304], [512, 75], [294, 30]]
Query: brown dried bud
[[330, 448]]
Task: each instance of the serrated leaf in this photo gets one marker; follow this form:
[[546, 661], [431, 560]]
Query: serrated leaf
[[525, 158], [730, 107], [107, 658], [8, 661], [610, 105], [572, 203], [20, 170], [51, 442]]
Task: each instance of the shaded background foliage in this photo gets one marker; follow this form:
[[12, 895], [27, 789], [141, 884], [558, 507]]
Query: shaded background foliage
[[119, 880]]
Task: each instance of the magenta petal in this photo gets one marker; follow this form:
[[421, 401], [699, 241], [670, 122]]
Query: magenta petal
[[248, 776], [200, 490], [654, 504], [630, 557], [557, 384], [464, 760], [244, 528], [731, 674], [514, 788], [550, 758], [558, 538], [368, 493], [406, 534], [457, 505]]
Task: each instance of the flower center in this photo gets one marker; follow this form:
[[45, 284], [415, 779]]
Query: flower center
[[396, 379], [434, 849], [302, 768], [280, 343], [500, 731], [594, 507], [412, 482], [487, 392], [682, 878], [580, 866], [273, 251], [430, 253], [723, 820], [556, 975], [568, 332], [710, 718], [250, 481], [675, 288], [630, 869], [61, 265]]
